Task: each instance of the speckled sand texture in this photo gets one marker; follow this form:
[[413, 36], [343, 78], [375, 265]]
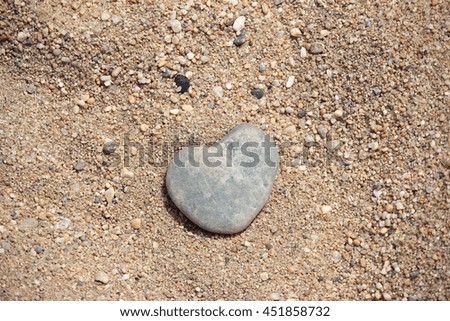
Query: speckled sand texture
[[354, 93]]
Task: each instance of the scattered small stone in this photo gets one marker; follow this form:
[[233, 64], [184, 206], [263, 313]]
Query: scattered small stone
[[183, 83], [383, 230], [303, 52], [389, 208], [239, 40], [322, 131], [106, 79], [338, 113], [376, 91], [109, 195], [39, 249], [264, 276], [116, 71], [22, 36], [63, 224], [239, 23], [144, 128], [175, 25], [28, 223], [414, 274], [187, 108], [387, 296], [290, 81], [105, 16], [325, 209], [126, 173], [79, 166], [317, 48], [399, 206], [275, 296], [218, 91], [301, 113], [295, 32], [336, 256], [101, 277], [291, 129], [30, 88], [116, 19], [258, 93], [136, 223], [109, 147]]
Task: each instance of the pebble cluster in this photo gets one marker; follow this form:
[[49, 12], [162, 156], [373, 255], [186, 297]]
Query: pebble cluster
[[355, 94]]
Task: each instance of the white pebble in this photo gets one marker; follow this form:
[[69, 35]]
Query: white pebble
[[303, 52], [275, 296], [109, 195], [190, 55], [218, 91], [176, 26], [22, 36], [105, 16], [325, 209], [290, 81], [239, 23]]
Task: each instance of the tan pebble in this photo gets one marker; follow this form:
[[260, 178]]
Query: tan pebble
[[338, 113], [399, 206], [295, 32], [84, 97], [265, 8], [116, 71], [290, 129], [144, 127], [187, 107], [90, 101], [389, 208], [383, 230], [136, 223], [101, 277], [324, 33], [264, 276], [76, 109], [126, 173], [131, 99], [387, 296]]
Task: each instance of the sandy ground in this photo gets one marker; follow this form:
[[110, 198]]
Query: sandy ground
[[359, 209]]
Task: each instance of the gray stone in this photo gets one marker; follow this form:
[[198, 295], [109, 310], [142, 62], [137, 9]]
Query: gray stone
[[222, 188], [317, 48], [28, 223]]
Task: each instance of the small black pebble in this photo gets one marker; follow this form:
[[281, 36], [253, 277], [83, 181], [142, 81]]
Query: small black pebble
[[109, 148], [269, 86], [258, 93], [239, 40], [182, 82], [301, 113]]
